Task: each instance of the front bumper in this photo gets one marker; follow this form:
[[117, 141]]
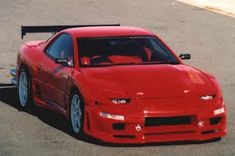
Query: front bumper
[[202, 126]]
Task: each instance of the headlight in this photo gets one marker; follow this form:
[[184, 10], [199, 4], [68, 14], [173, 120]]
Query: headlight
[[120, 101], [111, 116], [207, 97]]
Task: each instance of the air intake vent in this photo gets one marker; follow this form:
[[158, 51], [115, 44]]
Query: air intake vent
[[160, 121], [215, 121]]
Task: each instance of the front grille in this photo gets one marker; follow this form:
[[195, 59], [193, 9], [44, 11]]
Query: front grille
[[161, 121]]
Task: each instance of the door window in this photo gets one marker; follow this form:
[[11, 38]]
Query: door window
[[61, 47]]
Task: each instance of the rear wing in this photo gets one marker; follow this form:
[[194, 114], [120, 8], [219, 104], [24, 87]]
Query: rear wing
[[54, 28]]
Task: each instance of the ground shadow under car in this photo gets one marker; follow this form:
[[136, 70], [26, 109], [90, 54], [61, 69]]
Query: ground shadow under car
[[8, 96]]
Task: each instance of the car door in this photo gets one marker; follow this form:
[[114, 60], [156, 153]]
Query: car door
[[56, 75]]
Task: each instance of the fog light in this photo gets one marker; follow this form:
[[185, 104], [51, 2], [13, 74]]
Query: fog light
[[111, 116], [200, 124], [219, 111]]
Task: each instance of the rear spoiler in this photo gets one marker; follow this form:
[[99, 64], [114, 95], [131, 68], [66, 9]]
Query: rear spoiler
[[54, 28]]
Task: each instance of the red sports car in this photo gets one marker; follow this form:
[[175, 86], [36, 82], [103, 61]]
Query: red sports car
[[119, 84]]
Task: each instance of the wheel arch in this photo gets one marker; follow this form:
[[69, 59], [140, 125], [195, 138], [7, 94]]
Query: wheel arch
[[75, 89]]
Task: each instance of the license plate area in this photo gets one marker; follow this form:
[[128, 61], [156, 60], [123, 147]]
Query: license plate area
[[166, 121]]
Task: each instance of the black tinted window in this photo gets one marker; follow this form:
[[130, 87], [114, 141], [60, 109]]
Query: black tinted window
[[124, 50], [62, 47]]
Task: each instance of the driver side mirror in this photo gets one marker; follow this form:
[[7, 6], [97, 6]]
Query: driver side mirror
[[185, 56], [64, 62]]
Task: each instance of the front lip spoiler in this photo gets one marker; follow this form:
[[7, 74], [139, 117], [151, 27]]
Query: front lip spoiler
[[13, 79]]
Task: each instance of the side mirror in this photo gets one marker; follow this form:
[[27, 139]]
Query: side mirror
[[185, 56], [64, 61]]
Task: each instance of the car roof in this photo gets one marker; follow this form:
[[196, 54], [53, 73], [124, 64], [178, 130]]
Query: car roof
[[107, 31]]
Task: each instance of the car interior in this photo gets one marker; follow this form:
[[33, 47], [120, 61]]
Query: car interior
[[119, 51]]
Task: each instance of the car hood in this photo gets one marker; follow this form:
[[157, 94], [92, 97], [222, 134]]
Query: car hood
[[147, 81]]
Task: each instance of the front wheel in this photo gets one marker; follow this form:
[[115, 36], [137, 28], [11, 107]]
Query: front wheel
[[24, 89], [76, 114]]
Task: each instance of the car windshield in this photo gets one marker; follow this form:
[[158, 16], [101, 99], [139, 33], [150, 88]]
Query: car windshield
[[110, 51]]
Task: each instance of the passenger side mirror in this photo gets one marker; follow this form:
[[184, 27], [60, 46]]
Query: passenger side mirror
[[64, 61], [185, 56]]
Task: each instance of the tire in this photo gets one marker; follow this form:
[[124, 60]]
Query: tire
[[24, 90], [76, 114]]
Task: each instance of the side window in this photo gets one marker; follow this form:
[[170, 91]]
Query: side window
[[61, 47]]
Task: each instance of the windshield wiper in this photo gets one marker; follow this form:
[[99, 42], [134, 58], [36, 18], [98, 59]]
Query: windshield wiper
[[161, 62]]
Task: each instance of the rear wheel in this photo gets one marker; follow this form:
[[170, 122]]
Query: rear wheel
[[76, 114], [24, 90]]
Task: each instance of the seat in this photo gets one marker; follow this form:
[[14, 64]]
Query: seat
[[148, 53]]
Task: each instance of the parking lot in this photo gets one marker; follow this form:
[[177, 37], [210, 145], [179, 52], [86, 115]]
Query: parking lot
[[208, 36]]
